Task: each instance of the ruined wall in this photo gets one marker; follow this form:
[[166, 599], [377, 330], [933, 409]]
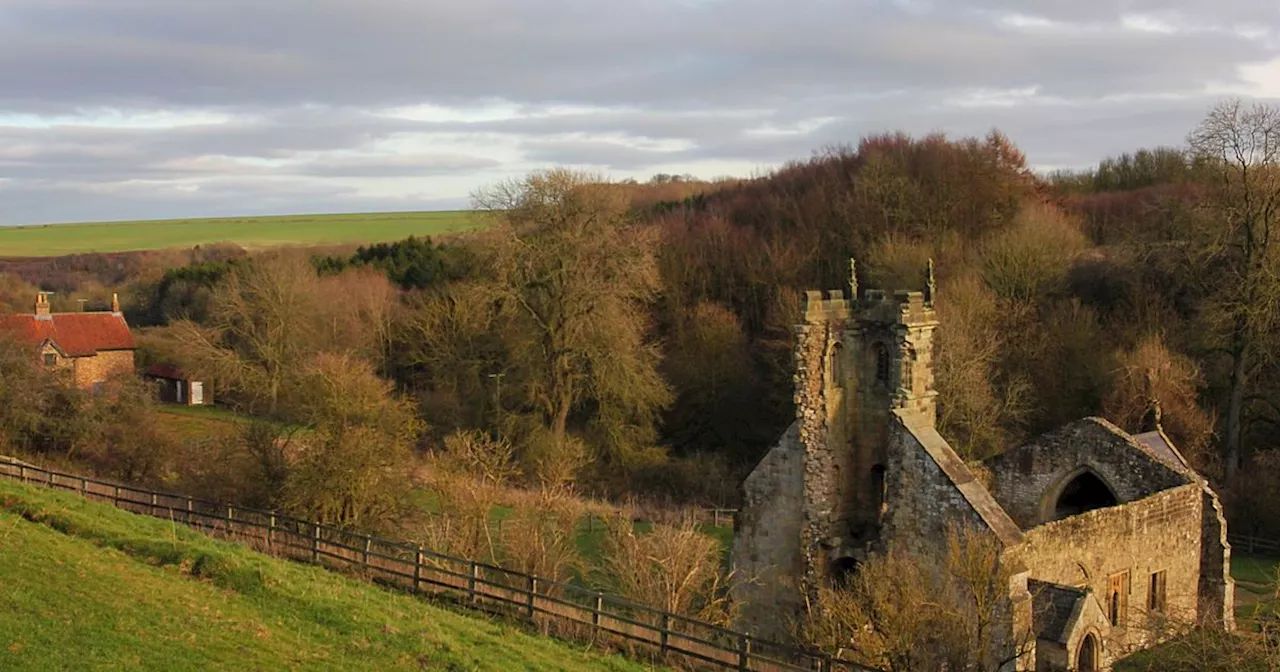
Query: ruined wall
[[1024, 478], [766, 549], [1158, 533], [101, 366], [1217, 598]]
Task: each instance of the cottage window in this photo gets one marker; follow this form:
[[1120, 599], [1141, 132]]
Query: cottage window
[[1117, 598], [1156, 592], [50, 359]]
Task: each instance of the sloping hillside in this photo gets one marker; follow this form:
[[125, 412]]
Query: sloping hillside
[[84, 586]]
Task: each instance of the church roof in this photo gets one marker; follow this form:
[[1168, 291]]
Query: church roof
[[1161, 448], [1052, 607]]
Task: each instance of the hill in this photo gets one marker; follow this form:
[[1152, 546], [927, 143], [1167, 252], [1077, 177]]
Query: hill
[[106, 589], [60, 239]]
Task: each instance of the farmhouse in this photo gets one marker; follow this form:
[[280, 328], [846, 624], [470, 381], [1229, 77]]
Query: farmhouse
[[1107, 535], [90, 347]]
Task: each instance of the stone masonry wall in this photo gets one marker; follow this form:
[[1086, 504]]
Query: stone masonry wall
[[101, 366], [1158, 533], [1024, 478], [1217, 588], [923, 501], [766, 550]]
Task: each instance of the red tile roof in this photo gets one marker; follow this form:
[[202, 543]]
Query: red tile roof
[[75, 334]]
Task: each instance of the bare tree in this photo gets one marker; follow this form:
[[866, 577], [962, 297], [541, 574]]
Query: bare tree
[[1240, 147], [575, 277], [908, 612]]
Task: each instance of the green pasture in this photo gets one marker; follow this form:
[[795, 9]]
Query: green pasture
[[84, 586], [251, 232]]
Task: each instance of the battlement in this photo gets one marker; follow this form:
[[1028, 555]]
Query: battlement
[[903, 306], [831, 307]]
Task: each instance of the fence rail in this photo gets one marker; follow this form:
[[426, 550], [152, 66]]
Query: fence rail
[[1244, 543], [563, 610]]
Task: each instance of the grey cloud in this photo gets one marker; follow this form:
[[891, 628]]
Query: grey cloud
[[305, 83], [238, 53]]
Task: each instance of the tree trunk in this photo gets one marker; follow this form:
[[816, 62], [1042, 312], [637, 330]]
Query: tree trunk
[[1235, 412]]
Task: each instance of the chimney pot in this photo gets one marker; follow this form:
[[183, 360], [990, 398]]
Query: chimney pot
[[115, 302], [42, 304]]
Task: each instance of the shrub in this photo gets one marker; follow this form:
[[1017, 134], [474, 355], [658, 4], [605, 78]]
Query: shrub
[[675, 569]]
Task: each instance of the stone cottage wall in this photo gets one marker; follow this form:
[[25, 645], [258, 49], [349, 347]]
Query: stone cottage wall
[[101, 366]]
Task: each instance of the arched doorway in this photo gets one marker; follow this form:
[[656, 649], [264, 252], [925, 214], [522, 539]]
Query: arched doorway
[[1087, 655], [1085, 492], [843, 569]]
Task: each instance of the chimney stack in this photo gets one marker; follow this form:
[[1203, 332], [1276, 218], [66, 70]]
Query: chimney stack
[[42, 305], [115, 303]]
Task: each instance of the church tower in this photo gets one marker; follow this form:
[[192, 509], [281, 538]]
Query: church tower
[[858, 360]]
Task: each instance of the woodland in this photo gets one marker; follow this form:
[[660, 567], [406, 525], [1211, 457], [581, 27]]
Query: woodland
[[631, 342]]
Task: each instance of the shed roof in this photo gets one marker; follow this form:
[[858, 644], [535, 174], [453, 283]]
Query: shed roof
[[166, 370], [74, 334]]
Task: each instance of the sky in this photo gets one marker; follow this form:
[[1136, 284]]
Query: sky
[[138, 109]]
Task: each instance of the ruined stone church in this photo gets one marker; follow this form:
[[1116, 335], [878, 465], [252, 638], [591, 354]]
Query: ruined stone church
[[1105, 533]]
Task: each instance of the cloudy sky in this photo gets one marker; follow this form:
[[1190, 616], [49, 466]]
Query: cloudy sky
[[130, 109]]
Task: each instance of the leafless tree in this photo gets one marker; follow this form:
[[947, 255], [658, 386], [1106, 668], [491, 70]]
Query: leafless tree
[[1240, 146]]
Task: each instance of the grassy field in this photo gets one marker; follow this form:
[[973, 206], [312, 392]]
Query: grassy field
[[1255, 583], [250, 232], [84, 586]]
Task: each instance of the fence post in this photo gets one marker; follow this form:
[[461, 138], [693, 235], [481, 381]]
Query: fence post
[[744, 653], [115, 501], [715, 517], [666, 632], [315, 542], [533, 590], [368, 541], [417, 569], [230, 516], [472, 575], [84, 488], [154, 501], [595, 611], [271, 531], [22, 472]]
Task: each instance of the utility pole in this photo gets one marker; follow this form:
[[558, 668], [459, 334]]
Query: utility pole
[[497, 400]]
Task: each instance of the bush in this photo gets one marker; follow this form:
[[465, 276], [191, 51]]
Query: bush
[[476, 453], [676, 569]]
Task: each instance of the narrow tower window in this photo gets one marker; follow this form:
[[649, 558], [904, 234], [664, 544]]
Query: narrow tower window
[[882, 364]]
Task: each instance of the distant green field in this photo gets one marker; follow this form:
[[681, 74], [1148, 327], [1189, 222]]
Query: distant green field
[[253, 232]]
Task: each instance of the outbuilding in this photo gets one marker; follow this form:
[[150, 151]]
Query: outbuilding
[[176, 386]]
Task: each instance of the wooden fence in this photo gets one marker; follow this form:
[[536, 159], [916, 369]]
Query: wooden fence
[[1244, 543], [562, 610]]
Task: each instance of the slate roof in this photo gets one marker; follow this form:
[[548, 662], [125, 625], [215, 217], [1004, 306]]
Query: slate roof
[[1158, 445], [1052, 606], [74, 334]]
